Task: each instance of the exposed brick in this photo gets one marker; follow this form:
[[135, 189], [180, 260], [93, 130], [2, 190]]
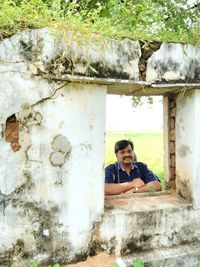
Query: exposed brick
[[173, 161], [172, 123], [173, 112], [173, 173], [172, 104], [172, 135], [172, 147]]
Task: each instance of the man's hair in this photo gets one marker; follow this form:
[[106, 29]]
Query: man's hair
[[119, 145]]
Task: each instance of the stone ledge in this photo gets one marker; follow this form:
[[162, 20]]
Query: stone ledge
[[137, 224], [183, 256], [145, 194], [144, 202], [131, 87]]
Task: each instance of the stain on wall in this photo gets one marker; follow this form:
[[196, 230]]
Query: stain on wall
[[183, 150]]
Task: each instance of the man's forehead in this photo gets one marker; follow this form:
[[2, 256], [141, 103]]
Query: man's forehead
[[126, 148]]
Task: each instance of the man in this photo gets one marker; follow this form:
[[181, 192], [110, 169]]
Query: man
[[127, 176]]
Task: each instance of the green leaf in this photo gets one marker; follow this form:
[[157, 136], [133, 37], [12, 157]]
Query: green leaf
[[32, 263], [138, 263], [25, 105]]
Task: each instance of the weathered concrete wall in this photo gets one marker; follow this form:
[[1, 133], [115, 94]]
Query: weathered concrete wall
[[187, 146], [136, 224], [183, 255], [52, 147], [48, 53], [174, 63], [54, 55], [51, 185]]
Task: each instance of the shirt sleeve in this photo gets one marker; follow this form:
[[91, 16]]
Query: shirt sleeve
[[109, 175], [147, 175]]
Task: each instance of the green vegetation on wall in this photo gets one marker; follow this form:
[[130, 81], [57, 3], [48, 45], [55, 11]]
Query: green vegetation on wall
[[169, 20]]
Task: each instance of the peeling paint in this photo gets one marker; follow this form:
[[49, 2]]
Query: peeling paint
[[57, 158], [61, 144], [62, 148]]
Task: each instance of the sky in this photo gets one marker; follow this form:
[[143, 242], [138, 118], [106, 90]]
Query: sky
[[120, 114]]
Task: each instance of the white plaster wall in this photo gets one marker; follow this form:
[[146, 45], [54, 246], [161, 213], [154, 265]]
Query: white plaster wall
[[18, 87], [73, 193], [14, 93], [139, 224], [188, 146], [37, 51], [53, 207], [77, 112], [174, 62], [14, 226]]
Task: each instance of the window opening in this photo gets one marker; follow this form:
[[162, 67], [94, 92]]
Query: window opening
[[142, 125]]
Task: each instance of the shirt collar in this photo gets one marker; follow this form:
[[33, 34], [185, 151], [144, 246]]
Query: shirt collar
[[133, 164]]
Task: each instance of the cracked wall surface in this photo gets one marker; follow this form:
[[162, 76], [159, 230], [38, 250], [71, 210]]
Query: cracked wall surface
[[174, 63], [51, 206], [187, 146], [49, 133], [48, 54], [146, 224], [51, 181]]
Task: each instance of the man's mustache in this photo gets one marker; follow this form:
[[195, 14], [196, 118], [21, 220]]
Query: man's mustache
[[129, 157]]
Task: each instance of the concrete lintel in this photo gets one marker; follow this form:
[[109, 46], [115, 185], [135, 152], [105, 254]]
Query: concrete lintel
[[131, 87]]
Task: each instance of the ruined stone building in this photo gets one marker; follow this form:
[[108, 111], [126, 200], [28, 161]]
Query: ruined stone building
[[52, 123]]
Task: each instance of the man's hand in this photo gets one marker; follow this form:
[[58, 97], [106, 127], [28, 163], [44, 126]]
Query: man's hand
[[114, 189], [137, 182], [129, 187], [149, 187], [130, 191]]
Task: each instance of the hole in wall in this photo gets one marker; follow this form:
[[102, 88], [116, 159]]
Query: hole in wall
[[12, 132], [147, 49]]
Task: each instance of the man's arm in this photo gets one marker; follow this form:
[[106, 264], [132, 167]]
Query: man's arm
[[152, 183], [149, 187], [115, 189]]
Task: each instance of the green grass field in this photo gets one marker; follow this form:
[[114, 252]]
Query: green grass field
[[148, 148]]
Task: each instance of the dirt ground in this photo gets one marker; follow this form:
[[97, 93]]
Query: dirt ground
[[100, 260]]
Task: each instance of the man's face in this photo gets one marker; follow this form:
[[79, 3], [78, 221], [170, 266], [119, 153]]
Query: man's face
[[125, 156]]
